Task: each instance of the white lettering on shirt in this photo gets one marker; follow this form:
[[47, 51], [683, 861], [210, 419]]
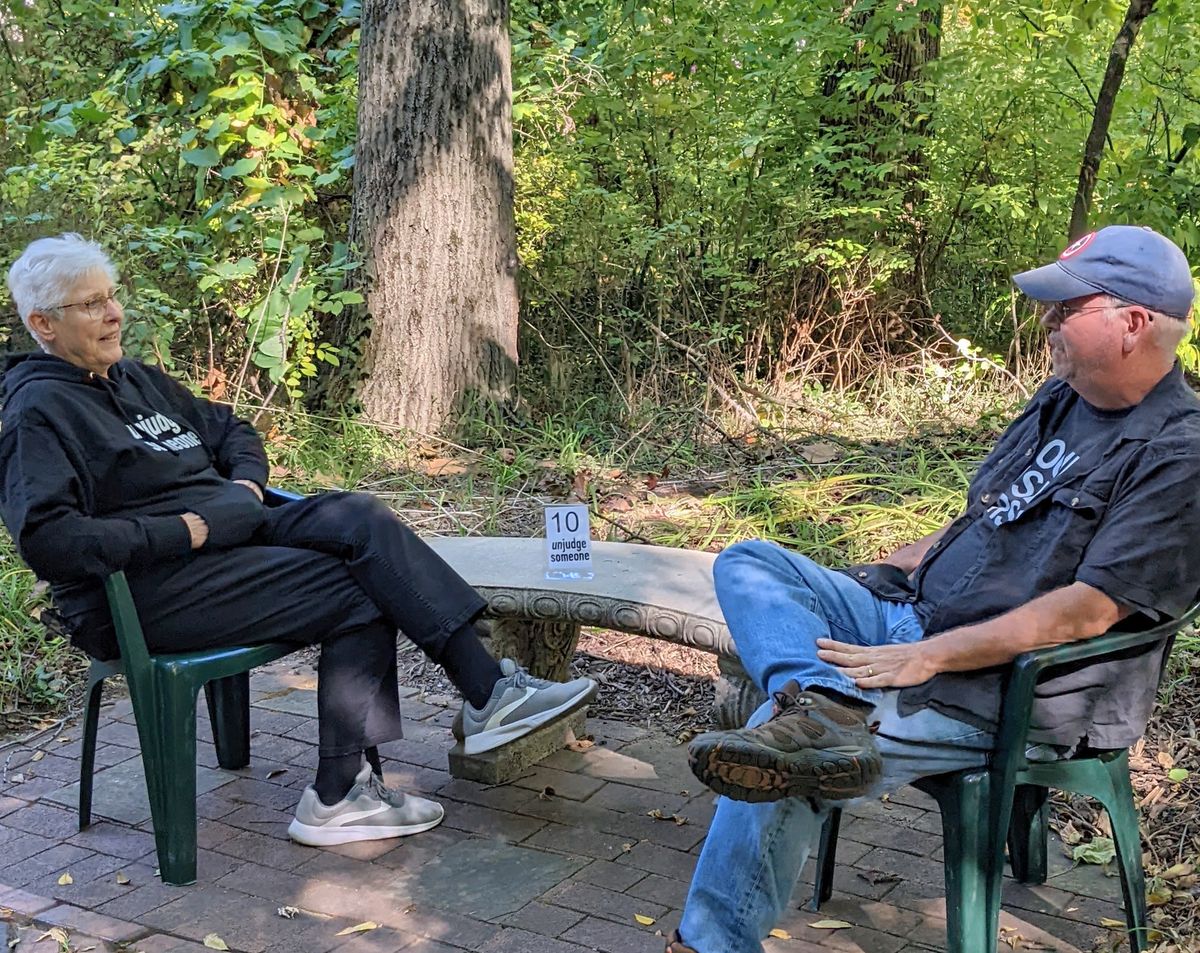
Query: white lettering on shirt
[[1052, 460], [150, 431]]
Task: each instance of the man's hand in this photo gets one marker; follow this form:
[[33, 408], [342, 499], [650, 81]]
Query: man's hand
[[197, 528], [1069, 614], [881, 666], [253, 487]]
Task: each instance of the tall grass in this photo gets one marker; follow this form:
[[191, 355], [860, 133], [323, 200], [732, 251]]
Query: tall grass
[[37, 669]]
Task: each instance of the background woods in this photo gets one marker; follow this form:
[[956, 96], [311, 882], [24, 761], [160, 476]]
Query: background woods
[[752, 193], [753, 257]]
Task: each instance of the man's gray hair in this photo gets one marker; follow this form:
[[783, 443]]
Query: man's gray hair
[[48, 269]]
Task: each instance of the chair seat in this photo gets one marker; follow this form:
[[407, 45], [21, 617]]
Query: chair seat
[[163, 689]]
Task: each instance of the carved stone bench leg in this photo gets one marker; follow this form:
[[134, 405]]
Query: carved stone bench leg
[[545, 649], [737, 697]]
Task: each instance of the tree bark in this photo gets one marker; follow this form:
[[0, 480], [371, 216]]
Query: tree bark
[[1094, 147], [433, 207], [859, 118]]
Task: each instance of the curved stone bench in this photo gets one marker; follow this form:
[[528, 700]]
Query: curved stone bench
[[655, 591]]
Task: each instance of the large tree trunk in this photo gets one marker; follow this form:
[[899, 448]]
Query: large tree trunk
[[1094, 147], [433, 206], [888, 127]]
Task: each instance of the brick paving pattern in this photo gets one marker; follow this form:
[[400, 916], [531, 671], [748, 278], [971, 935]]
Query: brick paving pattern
[[564, 860]]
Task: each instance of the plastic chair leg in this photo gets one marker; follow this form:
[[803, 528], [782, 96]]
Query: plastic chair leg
[[1027, 834], [91, 722], [972, 887], [1122, 812], [229, 712], [826, 859], [170, 764]]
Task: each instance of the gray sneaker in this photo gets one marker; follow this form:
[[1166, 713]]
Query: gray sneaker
[[369, 811], [519, 703]]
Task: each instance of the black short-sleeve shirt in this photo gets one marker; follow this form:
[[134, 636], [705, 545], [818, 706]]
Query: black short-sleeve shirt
[[1068, 494]]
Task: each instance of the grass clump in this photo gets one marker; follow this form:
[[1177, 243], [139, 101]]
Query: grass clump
[[38, 669]]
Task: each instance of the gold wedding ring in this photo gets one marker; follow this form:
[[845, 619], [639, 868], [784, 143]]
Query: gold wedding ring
[[870, 672]]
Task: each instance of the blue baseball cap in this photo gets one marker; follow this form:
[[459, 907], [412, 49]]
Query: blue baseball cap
[[1130, 262]]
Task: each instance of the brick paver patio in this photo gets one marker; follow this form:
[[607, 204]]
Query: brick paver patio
[[564, 860]]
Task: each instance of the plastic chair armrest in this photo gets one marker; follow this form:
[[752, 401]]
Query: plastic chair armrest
[[1028, 667], [273, 496], [130, 638]]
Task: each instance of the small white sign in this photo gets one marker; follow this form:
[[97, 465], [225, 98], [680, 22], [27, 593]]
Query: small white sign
[[568, 542]]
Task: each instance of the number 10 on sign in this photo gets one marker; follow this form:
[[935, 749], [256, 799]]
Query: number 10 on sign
[[568, 542]]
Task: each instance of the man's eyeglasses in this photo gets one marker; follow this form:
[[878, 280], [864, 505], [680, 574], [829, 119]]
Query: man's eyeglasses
[[1060, 312], [95, 307]]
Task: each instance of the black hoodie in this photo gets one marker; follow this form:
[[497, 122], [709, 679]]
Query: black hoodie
[[96, 472]]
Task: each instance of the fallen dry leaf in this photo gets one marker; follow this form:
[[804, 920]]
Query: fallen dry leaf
[[1156, 898], [657, 814], [276, 772], [643, 919], [830, 925], [38, 755], [820, 452], [57, 934], [626, 848], [358, 928], [780, 934], [214, 942], [581, 744], [679, 820], [121, 878], [1112, 924], [287, 912], [65, 879], [443, 466]]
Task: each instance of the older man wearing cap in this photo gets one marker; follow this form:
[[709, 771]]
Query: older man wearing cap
[[1085, 512]]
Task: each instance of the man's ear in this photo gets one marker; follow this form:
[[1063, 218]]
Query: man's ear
[[42, 325], [1138, 323]]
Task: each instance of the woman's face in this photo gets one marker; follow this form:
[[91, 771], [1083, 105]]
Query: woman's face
[[87, 331]]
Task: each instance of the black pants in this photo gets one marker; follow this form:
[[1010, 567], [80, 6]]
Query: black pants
[[339, 569]]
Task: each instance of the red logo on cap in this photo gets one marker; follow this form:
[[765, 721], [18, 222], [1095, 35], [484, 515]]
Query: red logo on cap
[[1077, 246]]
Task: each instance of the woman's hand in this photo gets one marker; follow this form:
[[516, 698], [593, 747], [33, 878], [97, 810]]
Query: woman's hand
[[252, 486], [197, 528], [882, 666]]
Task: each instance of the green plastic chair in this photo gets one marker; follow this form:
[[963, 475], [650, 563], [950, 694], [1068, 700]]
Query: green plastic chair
[[983, 809], [163, 690]]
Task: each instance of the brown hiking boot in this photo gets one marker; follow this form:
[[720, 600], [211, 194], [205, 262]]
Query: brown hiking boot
[[675, 944], [811, 747]]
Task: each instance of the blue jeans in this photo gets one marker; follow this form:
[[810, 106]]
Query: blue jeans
[[777, 604]]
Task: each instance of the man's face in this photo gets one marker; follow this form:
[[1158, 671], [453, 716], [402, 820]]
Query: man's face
[[1085, 338], [88, 331]]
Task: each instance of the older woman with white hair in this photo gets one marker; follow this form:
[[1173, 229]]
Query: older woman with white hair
[[108, 464]]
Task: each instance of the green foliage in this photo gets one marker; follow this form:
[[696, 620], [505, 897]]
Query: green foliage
[[37, 669], [209, 145], [791, 189], [786, 187]]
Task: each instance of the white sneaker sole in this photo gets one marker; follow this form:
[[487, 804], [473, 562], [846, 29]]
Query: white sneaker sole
[[503, 734], [313, 836]]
